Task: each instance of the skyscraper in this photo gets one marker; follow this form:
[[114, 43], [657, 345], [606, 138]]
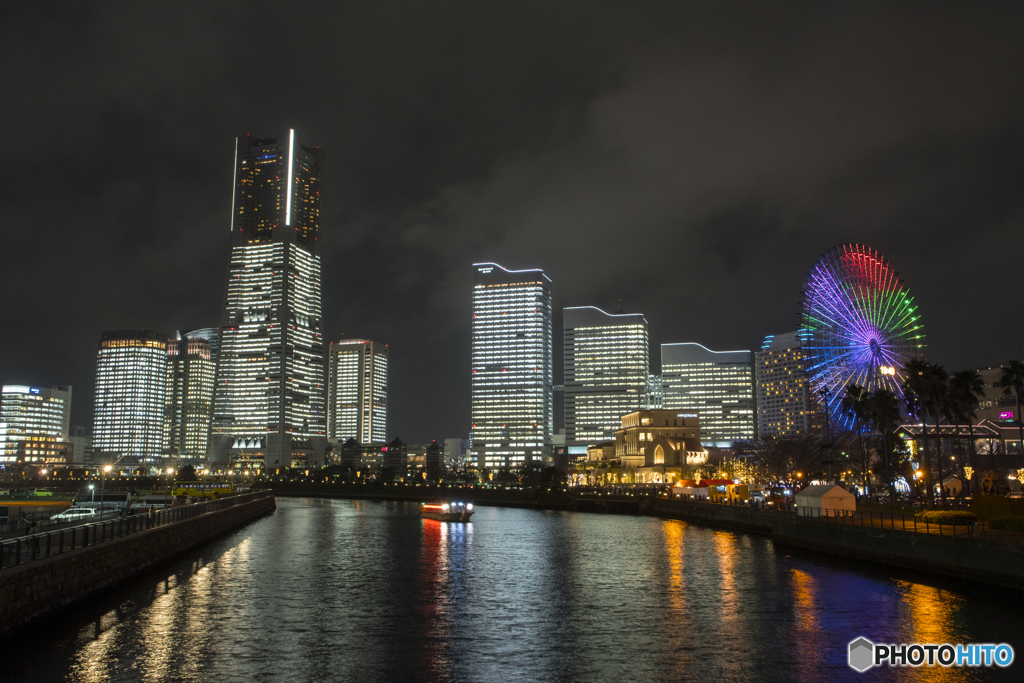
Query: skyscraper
[[606, 365], [358, 391], [269, 396], [131, 383], [719, 385], [785, 406], [210, 334], [34, 424], [512, 367], [190, 369]]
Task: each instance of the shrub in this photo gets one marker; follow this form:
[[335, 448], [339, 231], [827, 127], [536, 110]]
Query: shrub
[[990, 507], [946, 517], [1008, 523]]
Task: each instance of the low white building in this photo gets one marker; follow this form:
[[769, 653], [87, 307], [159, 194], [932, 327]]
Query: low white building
[[825, 500]]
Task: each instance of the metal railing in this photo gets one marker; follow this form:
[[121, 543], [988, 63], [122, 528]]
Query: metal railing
[[39, 546], [881, 520]]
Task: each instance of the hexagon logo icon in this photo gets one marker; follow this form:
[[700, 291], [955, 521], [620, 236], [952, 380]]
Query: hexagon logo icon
[[862, 654]]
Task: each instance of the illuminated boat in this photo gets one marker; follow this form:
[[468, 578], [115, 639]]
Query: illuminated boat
[[447, 512]]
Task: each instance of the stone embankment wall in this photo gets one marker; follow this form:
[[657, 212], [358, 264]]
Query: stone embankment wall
[[974, 559], [37, 589]]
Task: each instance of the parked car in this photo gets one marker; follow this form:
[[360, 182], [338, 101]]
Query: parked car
[[76, 515]]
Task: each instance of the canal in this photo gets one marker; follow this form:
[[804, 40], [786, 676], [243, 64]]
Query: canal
[[335, 590]]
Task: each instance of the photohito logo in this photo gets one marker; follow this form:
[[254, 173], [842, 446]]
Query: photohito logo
[[863, 654]]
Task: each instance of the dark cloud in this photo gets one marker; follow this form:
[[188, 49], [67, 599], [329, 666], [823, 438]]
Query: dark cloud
[[690, 159]]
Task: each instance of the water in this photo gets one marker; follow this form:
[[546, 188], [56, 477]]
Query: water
[[333, 590]]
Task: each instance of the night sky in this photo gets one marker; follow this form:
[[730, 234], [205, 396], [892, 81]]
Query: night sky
[[690, 159]]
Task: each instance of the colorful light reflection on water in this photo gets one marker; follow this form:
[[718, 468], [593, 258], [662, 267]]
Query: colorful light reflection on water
[[331, 590]]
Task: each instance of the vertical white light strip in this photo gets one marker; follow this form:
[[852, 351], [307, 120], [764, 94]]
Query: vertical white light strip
[[291, 157], [234, 187]]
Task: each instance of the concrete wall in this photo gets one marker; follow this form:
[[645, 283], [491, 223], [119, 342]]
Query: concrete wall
[[37, 589], [974, 559]]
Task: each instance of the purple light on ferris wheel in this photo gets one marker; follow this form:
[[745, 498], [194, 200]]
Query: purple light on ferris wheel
[[860, 325]]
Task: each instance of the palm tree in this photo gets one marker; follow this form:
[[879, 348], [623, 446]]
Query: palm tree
[[915, 387], [964, 388], [1012, 377], [884, 413], [855, 404], [936, 398]]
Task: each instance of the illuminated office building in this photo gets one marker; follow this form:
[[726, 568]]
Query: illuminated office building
[[212, 336], [655, 392], [357, 390], [512, 367], [719, 385], [785, 405], [190, 369], [34, 424], [270, 392], [131, 386], [606, 366]]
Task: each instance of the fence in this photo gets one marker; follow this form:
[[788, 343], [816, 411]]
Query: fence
[[42, 545], [887, 520]]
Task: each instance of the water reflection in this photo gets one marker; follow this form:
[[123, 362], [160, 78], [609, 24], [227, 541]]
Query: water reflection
[[365, 591]]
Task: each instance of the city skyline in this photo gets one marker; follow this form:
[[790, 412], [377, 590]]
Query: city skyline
[[683, 130]]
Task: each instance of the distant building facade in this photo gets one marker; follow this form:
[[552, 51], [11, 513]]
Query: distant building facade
[[660, 438], [34, 424], [455, 452], [131, 388], [357, 389], [655, 393], [189, 401], [719, 385], [269, 408], [785, 405], [512, 370], [606, 370]]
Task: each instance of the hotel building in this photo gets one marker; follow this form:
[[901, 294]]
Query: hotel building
[[512, 366], [34, 424], [606, 367], [131, 386], [357, 389], [269, 406], [719, 385], [785, 404], [190, 370]]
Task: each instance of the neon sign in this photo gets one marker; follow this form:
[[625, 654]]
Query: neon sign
[[1006, 415], [887, 370], [687, 415]]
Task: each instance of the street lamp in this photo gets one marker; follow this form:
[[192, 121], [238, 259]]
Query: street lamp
[[103, 483]]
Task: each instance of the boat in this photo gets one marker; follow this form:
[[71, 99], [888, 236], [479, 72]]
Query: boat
[[447, 512]]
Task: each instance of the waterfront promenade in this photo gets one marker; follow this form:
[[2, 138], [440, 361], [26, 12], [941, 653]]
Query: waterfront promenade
[[43, 573]]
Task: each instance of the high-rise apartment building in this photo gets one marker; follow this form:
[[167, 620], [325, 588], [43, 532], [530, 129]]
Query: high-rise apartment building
[[606, 367], [131, 386], [189, 401], [512, 367], [357, 388], [269, 403], [785, 404], [719, 385], [34, 424]]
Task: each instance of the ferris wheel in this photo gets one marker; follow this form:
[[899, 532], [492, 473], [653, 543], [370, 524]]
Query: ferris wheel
[[859, 325]]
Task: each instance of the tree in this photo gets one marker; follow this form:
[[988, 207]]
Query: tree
[[927, 392], [964, 388], [883, 412], [187, 473], [856, 404], [1012, 377]]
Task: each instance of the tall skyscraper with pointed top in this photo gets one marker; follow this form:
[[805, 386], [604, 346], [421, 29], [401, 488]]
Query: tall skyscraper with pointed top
[[269, 397]]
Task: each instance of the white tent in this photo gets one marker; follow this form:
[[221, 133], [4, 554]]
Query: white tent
[[825, 500]]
